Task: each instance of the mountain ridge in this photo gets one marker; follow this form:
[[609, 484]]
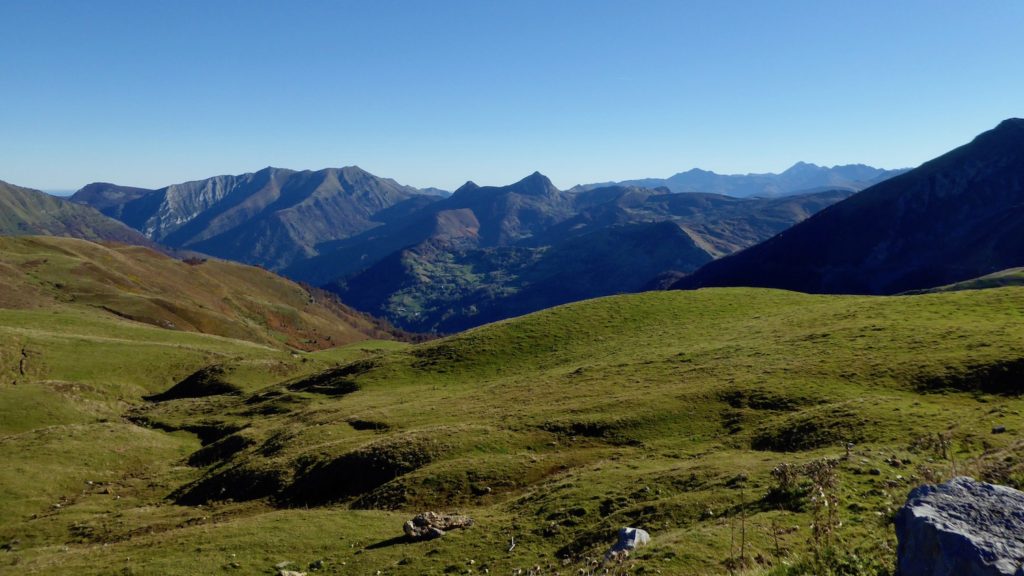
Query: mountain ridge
[[270, 217], [492, 252], [956, 217], [25, 211], [451, 259], [798, 178]]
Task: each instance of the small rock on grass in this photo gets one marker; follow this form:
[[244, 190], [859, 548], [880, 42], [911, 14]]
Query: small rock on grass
[[430, 525]]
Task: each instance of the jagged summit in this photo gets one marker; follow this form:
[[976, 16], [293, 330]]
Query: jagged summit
[[535, 184], [801, 166], [469, 186], [270, 217]]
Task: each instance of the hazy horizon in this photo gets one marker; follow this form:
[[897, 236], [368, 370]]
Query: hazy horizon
[[69, 191], [433, 95]]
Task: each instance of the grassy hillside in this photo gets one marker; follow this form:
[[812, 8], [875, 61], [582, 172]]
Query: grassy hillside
[[67, 377], [209, 296], [1008, 277], [667, 411], [26, 211]]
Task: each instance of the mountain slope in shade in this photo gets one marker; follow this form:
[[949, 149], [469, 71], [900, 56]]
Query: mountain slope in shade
[[802, 177], [429, 288], [532, 212], [109, 198], [210, 297], [1000, 279], [720, 224], [472, 217], [272, 217], [488, 253], [25, 211], [956, 217]]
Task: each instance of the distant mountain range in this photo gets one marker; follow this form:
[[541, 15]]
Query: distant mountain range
[[433, 261], [443, 262], [799, 178], [488, 253], [24, 211], [272, 217], [956, 217]]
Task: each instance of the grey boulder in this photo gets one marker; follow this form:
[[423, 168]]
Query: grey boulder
[[963, 527]]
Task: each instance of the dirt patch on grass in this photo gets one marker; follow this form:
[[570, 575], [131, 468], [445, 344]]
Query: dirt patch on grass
[[1005, 377], [612, 431], [443, 355], [221, 450], [335, 381], [208, 381], [810, 429], [746, 405], [246, 481], [361, 424], [321, 479], [759, 399]]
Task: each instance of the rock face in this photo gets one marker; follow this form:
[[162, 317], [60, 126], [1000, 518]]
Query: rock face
[[962, 527], [629, 539], [430, 525], [272, 217]]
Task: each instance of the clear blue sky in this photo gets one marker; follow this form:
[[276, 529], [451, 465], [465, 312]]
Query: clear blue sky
[[435, 92]]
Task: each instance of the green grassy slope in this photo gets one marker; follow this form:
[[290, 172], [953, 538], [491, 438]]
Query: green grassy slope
[[67, 378], [1008, 277], [666, 411], [27, 211], [212, 296]]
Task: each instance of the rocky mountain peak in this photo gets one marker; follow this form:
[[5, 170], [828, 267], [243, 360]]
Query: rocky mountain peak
[[469, 186], [535, 184]]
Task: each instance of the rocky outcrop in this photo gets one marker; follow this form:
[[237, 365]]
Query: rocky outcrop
[[963, 527], [430, 525]]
